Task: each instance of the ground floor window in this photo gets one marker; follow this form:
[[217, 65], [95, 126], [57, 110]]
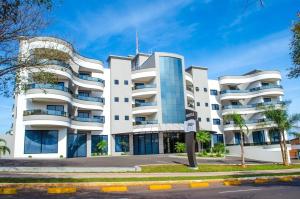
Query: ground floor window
[[101, 148], [218, 138], [121, 143], [258, 137], [170, 140], [145, 144], [274, 136], [237, 138], [41, 141]]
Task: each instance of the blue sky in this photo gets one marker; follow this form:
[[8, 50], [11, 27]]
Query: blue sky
[[230, 37]]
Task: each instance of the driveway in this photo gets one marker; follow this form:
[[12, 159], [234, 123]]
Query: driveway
[[115, 161]]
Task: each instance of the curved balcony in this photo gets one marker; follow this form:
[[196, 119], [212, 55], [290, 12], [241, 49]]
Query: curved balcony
[[39, 117], [146, 122], [146, 108], [271, 90], [188, 77], [190, 92], [256, 76], [249, 108], [144, 91], [53, 92], [251, 124], [144, 75], [92, 124]]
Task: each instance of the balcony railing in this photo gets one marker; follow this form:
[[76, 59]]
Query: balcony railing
[[54, 62], [92, 99], [48, 86], [258, 121], [252, 105], [252, 89], [45, 112], [190, 88], [99, 119], [145, 122], [144, 86], [89, 78], [258, 143], [140, 104]]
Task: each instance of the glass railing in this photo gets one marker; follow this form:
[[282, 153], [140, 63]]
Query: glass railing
[[190, 89], [252, 105], [98, 119], [54, 62], [258, 121], [252, 89], [45, 112], [145, 104], [48, 86], [92, 99], [144, 86], [89, 78], [145, 122]]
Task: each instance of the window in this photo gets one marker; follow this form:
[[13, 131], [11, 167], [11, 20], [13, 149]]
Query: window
[[199, 119], [274, 136], [207, 119], [218, 138], [197, 89], [213, 92], [125, 82], [116, 82], [84, 93], [126, 99], [198, 103], [126, 117], [206, 104], [55, 110], [83, 114], [121, 143], [258, 137], [216, 122], [265, 84], [116, 117], [267, 99], [116, 99], [40, 141], [215, 107], [234, 103], [205, 89], [95, 140], [237, 138]]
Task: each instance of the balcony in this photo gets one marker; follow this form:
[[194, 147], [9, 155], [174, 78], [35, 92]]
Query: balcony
[[251, 90], [190, 92], [142, 104], [145, 86], [48, 86], [146, 122], [88, 124], [254, 107], [91, 99], [89, 78], [144, 91], [46, 118], [99, 119], [251, 124], [144, 108]]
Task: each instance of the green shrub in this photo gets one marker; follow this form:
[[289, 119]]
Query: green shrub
[[180, 147]]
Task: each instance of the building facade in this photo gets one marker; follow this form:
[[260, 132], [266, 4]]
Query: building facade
[[137, 105]]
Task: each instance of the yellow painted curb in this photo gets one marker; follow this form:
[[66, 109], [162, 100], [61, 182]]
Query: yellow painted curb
[[286, 179], [199, 184], [231, 182], [58, 190], [156, 187], [261, 180], [114, 189], [8, 191]]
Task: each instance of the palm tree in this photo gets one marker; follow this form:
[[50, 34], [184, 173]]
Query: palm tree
[[202, 137], [239, 122], [3, 147], [283, 123], [101, 146]]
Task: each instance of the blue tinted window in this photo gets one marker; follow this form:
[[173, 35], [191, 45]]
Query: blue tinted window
[[37, 141], [213, 92], [121, 143], [258, 137], [172, 93], [215, 107], [216, 121], [218, 138], [95, 140]]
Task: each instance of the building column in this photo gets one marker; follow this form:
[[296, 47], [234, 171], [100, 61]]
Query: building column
[[161, 142], [88, 145], [267, 137], [131, 144]]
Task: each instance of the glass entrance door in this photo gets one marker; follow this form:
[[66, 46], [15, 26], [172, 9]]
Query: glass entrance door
[[145, 144], [76, 145]]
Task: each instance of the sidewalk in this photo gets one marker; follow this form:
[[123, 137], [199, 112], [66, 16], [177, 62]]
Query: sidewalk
[[141, 175]]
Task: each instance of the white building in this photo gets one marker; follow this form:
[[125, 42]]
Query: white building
[[137, 105]]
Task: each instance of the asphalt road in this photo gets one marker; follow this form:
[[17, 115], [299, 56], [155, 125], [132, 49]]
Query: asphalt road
[[268, 191], [115, 161]]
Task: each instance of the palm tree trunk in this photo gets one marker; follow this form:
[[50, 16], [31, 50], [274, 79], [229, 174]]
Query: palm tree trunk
[[285, 151], [242, 150]]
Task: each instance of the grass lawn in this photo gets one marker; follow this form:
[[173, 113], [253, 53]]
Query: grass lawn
[[213, 168], [143, 179]]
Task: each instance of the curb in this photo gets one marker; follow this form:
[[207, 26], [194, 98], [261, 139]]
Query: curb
[[61, 188]]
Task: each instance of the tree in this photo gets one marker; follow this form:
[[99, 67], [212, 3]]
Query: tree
[[180, 147], [18, 18], [283, 123], [239, 122], [101, 146], [294, 72], [3, 148], [202, 137]]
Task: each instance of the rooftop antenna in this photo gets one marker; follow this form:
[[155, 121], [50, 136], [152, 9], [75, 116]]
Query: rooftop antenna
[[136, 42]]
